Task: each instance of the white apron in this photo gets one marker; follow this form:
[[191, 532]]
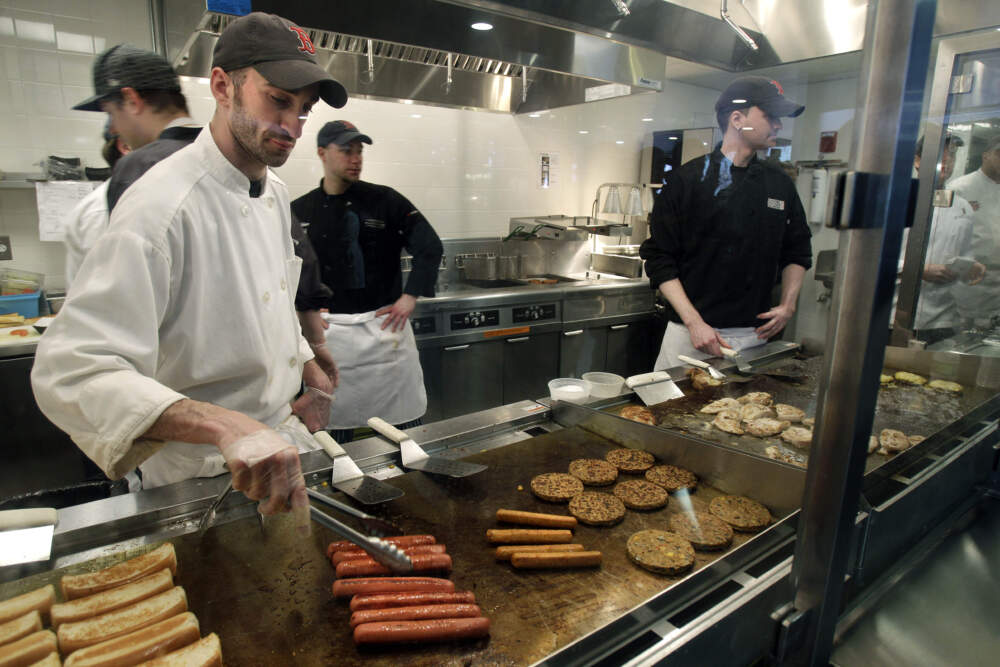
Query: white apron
[[380, 373], [677, 340], [178, 461]]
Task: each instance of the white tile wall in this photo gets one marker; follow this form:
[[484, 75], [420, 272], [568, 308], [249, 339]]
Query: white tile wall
[[469, 172]]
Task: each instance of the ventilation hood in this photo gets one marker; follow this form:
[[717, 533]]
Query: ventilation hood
[[540, 54]]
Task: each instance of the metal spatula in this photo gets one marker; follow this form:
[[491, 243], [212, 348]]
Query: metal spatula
[[655, 387], [374, 525], [416, 458], [26, 535], [697, 363], [347, 477]]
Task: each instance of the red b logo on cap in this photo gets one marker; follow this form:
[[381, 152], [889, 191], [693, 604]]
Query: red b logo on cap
[[781, 91], [306, 45]]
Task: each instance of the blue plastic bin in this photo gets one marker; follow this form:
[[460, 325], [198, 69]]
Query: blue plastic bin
[[25, 305]]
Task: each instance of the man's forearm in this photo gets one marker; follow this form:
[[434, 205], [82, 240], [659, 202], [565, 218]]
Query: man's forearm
[[673, 292], [311, 322], [791, 284], [197, 422]]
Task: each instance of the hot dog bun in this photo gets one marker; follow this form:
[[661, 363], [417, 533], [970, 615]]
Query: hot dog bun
[[22, 626], [27, 650], [78, 634], [80, 585], [51, 660], [40, 599], [206, 652], [109, 600], [146, 643]]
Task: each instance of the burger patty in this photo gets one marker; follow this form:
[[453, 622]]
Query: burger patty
[[743, 514], [638, 494], [637, 413], [660, 551], [556, 487], [632, 461], [704, 531], [593, 472], [672, 478], [597, 509]]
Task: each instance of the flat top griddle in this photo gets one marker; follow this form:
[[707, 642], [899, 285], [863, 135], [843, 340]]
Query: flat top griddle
[[908, 408], [269, 596]]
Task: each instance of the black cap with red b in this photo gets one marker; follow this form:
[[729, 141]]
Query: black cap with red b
[[281, 52]]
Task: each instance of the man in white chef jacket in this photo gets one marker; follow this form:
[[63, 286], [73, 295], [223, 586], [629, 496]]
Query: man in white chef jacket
[[179, 349], [977, 304]]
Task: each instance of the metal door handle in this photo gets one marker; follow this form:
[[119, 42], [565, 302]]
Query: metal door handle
[[573, 333], [518, 340], [616, 327], [456, 347]]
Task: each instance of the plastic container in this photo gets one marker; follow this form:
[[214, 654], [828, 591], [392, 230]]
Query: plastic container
[[25, 305], [604, 385], [569, 389]]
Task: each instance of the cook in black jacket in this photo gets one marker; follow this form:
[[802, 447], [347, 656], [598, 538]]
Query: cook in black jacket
[[358, 231], [724, 229]]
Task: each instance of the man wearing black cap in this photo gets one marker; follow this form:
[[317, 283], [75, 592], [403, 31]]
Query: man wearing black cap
[[724, 229], [141, 93], [179, 349], [359, 230]]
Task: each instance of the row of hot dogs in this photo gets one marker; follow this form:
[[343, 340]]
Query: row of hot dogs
[[128, 614], [415, 609]]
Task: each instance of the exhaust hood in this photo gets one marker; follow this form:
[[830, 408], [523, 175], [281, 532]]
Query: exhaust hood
[[538, 55]]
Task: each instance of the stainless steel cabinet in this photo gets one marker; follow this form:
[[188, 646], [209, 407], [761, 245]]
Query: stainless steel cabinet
[[472, 377], [630, 348], [430, 362], [581, 350], [529, 362]]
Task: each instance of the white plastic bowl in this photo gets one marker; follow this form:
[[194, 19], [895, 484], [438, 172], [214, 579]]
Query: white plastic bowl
[[569, 389], [604, 385]]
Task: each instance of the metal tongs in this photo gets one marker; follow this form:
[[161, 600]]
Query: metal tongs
[[386, 553], [698, 363]]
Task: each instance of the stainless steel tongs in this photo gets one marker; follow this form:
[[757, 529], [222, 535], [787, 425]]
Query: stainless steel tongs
[[386, 553]]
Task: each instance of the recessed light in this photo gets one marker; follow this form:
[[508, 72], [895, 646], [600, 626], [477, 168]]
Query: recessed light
[[584, 131], [407, 101], [415, 115], [619, 141], [482, 25], [534, 115], [647, 120], [672, 138]]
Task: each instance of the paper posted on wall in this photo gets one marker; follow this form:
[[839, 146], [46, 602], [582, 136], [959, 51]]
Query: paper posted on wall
[[55, 200]]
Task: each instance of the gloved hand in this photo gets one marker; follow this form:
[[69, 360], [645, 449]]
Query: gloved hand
[[313, 408], [266, 467]]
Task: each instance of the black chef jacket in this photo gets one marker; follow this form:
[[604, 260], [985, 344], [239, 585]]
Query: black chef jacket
[[727, 233], [358, 237]]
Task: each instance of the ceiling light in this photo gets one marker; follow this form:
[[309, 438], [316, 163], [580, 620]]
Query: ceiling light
[[415, 115], [739, 101], [672, 138], [482, 25], [534, 115], [619, 142], [584, 131], [407, 101], [647, 120]]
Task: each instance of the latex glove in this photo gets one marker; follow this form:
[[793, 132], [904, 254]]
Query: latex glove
[[938, 273], [976, 274], [313, 408], [266, 468], [325, 360], [398, 313], [706, 339]]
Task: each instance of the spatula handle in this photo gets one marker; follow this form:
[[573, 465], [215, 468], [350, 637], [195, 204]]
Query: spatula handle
[[383, 427], [646, 378], [692, 361], [328, 444]]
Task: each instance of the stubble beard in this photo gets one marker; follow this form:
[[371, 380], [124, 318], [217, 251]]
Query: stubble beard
[[244, 130]]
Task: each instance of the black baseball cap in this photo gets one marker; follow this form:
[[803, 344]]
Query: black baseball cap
[[340, 132], [280, 51], [124, 66], [757, 91]]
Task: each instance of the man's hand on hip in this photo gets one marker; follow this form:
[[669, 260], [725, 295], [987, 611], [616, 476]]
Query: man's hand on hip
[[777, 319], [706, 339], [398, 313]]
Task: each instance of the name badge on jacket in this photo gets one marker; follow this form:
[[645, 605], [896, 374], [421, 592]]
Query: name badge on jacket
[[371, 223], [776, 204]]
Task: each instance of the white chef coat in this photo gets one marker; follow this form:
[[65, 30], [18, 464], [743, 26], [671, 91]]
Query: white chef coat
[[982, 301], [83, 226], [189, 294], [950, 237]]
